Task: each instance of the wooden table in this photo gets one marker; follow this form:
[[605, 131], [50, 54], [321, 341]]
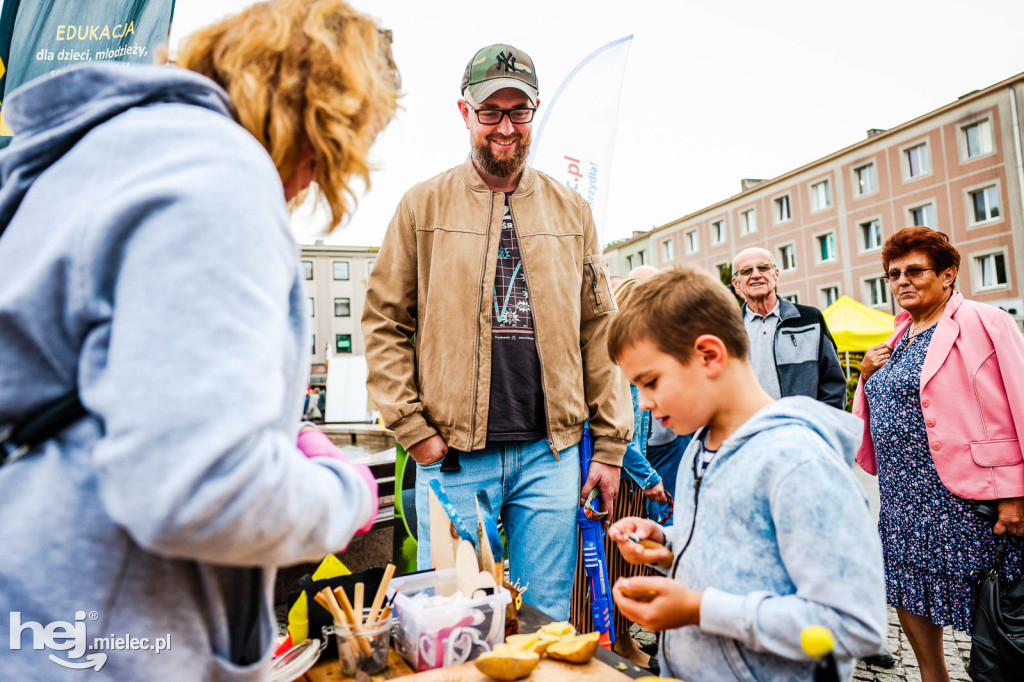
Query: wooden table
[[604, 666]]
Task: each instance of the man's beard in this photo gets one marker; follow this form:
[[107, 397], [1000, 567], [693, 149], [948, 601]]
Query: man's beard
[[508, 165]]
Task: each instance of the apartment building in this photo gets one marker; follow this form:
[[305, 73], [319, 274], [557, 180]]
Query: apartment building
[[959, 169], [336, 286]]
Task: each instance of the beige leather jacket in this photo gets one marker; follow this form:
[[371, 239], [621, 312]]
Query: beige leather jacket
[[427, 317]]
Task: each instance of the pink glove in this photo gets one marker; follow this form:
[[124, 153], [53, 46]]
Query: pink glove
[[314, 444]]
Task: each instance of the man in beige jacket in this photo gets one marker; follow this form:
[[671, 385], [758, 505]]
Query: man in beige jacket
[[485, 324]]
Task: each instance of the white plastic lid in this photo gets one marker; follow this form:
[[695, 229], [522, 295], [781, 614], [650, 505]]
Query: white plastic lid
[[296, 661]]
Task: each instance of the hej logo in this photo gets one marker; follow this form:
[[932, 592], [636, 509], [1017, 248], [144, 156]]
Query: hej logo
[[59, 636]]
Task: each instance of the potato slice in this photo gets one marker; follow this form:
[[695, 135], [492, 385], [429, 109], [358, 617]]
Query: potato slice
[[509, 664], [575, 649], [560, 629], [522, 641]]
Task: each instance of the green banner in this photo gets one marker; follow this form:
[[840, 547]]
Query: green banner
[[39, 37]]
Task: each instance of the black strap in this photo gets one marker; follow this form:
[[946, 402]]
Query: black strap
[[51, 419]]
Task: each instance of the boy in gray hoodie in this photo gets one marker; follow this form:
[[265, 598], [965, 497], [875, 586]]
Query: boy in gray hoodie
[[772, 532]]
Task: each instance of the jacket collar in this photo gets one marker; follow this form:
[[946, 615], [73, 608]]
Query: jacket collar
[[473, 180], [786, 311], [945, 334]]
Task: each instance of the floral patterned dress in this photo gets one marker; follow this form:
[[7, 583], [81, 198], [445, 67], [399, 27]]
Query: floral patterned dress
[[933, 544]]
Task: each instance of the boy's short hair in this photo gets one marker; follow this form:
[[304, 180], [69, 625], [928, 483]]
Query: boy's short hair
[[672, 309]]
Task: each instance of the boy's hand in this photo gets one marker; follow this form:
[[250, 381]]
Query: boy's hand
[[672, 606], [634, 552]]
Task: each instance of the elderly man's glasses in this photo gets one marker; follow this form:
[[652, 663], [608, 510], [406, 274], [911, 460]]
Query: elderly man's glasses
[[760, 267], [912, 273], [492, 117]]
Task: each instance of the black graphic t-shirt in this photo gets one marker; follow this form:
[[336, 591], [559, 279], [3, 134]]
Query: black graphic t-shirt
[[517, 400]]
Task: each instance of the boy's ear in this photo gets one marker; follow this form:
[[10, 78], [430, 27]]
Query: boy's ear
[[711, 353]]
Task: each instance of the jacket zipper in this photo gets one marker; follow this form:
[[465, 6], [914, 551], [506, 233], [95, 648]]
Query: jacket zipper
[[536, 336], [593, 285], [480, 304]]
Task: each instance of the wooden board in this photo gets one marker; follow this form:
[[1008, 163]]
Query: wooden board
[[548, 670]]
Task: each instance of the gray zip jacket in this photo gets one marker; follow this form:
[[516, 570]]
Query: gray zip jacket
[[778, 536], [148, 259], [805, 355]]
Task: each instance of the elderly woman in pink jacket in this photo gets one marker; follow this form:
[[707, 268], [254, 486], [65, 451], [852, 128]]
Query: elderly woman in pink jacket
[[943, 407]]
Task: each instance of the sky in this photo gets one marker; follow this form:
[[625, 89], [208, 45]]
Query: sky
[[714, 90]]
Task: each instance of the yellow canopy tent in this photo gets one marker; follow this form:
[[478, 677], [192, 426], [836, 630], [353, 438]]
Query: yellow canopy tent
[[856, 327]]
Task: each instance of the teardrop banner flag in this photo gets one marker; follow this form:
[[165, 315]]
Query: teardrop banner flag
[[39, 37], [576, 136]]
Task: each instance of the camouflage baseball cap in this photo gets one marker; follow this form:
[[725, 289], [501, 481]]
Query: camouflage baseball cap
[[499, 66]]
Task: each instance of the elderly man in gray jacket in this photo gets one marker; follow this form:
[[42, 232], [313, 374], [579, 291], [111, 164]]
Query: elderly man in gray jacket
[[791, 350]]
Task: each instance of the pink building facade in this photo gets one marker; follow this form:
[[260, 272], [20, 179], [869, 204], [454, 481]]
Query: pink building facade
[[959, 169]]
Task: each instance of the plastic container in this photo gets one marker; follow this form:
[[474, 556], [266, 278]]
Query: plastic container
[[366, 651], [430, 637]]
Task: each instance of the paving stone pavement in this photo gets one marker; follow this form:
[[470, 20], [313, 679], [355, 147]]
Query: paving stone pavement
[[956, 644]]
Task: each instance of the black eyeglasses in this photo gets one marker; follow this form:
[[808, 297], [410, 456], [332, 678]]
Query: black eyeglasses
[[912, 273], [492, 117], [761, 267]]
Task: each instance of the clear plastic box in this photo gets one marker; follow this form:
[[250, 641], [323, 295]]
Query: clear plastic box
[[439, 636]]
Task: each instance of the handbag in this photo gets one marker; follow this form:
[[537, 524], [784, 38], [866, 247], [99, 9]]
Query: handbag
[[997, 640]]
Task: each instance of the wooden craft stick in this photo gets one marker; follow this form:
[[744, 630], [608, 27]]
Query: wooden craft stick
[[325, 598], [346, 606], [357, 605], [382, 591]]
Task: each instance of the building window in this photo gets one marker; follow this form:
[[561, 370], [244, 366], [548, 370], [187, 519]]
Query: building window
[[827, 247], [978, 139], [991, 271], [919, 161], [749, 221], [307, 269], [866, 179], [871, 235], [985, 203], [792, 298], [718, 232], [724, 271], [312, 340], [369, 267], [312, 308], [342, 307], [878, 291], [692, 241], [343, 343], [782, 209], [341, 269], [829, 295], [642, 257], [923, 216], [787, 257], [629, 262], [667, 251], [821, 195]]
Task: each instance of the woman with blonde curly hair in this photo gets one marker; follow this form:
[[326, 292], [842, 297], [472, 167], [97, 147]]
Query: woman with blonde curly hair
[[146, 265]]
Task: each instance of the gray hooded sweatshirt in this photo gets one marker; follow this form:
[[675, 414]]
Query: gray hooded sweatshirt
[[782, 539], [147, 258]]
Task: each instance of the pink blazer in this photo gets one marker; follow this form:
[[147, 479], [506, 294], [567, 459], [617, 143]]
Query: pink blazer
[[972, 398]]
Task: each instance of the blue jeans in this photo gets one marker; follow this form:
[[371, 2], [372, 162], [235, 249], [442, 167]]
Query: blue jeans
[[665, 460], [538, 497]]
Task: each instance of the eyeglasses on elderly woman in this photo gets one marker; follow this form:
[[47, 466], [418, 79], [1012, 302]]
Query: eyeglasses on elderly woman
[[912, 274]]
